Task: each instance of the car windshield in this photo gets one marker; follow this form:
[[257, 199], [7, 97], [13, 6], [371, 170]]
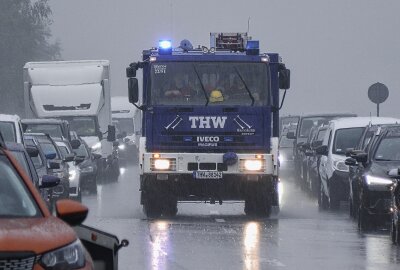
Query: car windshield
[[81, 151], [388, 149], [209, 83], [346, 138], [124, 125], [84, 126], [308, 123], [49, 148], [54, 130], [285, 142], [20, 157], [7, 130], [15, 199]]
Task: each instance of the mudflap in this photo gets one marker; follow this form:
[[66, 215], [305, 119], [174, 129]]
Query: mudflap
[[102, 247]]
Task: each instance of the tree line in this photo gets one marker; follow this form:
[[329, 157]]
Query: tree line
[[24, 36]]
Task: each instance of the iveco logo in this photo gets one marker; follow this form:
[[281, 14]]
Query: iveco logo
[[208, 139], [207, 121]]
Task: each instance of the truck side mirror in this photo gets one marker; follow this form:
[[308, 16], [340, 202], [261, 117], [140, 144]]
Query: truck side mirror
[[111, 133], [130, 72], [284, 79], [133, 90]]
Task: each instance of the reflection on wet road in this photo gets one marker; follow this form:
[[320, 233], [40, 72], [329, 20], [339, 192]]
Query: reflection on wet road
[[205, 236]]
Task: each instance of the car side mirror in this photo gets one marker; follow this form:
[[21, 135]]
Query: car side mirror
[[350, 162], [50, 155], [291, 136], [32, 151], [73, 213], [69, 158], [361, 157], [79, 159], [53, 165], [75, 144], [96, 156], [322, 150], [49, 181], [284, 78], [111, 133], [133, 90]]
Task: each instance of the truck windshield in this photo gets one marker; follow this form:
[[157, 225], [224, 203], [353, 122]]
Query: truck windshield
[[54, 130], [124, 124], [209, 83], [83, 125], [8, 131]]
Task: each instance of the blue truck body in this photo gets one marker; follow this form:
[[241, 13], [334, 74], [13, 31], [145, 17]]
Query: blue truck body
[[232, 142]]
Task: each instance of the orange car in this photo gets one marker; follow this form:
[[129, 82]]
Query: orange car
[[30, 237]]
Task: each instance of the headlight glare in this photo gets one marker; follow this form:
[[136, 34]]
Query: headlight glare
[[252, 164], [121, 147], [161, 164], [373, 180], [68, 257], [96, 146], [72, 174]]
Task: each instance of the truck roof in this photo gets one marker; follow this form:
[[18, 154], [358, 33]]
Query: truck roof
[[46, 64]]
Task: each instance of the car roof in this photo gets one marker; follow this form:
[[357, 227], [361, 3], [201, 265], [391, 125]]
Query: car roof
[[43, 121], [361, 121], [9, 118], [328, 115]]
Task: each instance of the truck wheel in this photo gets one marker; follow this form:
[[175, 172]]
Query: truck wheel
[[363, 219], [258, 201], [170, 208], [151, 206]]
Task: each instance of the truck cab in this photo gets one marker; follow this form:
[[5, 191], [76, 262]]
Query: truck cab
[[210, 123]]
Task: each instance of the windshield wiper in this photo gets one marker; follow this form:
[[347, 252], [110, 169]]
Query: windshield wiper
[[245, 85], [201, 83]]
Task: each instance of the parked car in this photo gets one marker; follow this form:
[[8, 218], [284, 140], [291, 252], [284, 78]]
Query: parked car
[[395, 217], [305, 124], [10, 128], [372, 179], [286, 162], [74, 172], [54, 163], [342, 135], [87, 163], [289, 120], [30, 237]]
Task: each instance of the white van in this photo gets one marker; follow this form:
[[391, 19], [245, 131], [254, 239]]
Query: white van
[[342, 134], [10, 128]]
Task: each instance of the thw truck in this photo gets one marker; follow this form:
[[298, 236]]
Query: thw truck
[[79, 92], [210, 123]]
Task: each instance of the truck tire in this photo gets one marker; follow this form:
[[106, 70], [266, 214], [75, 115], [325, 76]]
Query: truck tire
[[258, 200], [151, 205], [170, 208]]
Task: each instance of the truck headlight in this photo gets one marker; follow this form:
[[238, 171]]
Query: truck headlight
[[96, 146], [68, 257], [162, 164], [339, 165], [253, 164], [373, 180]]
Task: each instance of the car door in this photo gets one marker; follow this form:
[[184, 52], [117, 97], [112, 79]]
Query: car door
[[324, 159]]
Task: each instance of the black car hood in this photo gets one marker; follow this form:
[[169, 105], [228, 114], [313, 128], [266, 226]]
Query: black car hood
[[381, 168]]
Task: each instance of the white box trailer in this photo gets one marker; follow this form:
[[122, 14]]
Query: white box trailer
[[78, 91]]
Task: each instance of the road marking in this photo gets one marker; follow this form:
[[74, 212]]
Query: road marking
[[220, 220]]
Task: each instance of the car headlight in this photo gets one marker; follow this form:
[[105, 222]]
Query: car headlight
[[339, 165], [72, 175], [373, 180], [162, 164], [87, 169], [121, 147], [252, 165], [96, 146], [68, 257]]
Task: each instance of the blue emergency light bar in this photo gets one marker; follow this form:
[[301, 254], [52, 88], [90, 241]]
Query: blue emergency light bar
[[165, 47], [253, 47]]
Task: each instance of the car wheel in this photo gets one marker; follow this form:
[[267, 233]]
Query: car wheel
[[322, 198], [393, 233]]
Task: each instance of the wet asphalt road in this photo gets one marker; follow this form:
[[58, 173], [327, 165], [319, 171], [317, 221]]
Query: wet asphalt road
[[205, 236]]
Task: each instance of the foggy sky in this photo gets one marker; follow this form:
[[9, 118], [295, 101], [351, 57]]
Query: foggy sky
[[335, 49]]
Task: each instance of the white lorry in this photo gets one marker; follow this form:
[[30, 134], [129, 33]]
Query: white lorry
[[127, 120], [77, 91]]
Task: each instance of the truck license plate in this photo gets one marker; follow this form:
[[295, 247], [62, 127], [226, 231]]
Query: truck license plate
[[207, 175]]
